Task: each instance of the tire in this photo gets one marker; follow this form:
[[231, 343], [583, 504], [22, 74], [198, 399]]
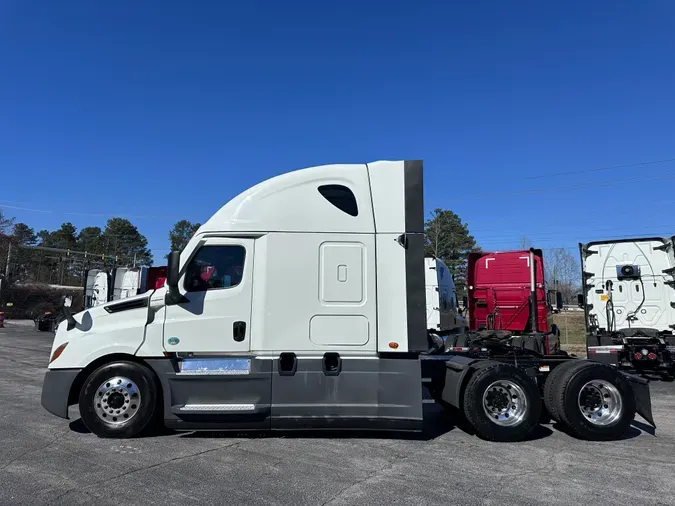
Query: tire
[[552, 381], [499, 381], [594, 401], [117, 385]]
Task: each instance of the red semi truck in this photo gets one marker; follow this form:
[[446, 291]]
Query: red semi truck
[[501, 288]]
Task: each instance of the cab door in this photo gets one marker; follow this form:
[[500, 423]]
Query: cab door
[[217, 382], [214, 316]]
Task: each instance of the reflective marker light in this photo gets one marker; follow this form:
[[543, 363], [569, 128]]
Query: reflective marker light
[[57, 352]]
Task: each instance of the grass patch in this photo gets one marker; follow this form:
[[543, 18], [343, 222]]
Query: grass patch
[[572, 331]]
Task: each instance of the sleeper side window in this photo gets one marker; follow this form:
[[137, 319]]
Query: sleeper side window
[[341, 197], [215, 267]]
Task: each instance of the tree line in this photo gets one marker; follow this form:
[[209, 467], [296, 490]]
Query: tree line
[[119, 238]]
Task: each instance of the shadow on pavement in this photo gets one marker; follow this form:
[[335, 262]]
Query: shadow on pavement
[[79, 427], [436, 423], [632, 432], [644, 427]]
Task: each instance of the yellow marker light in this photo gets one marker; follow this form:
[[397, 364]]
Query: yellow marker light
[[57, 352], [393, 345]]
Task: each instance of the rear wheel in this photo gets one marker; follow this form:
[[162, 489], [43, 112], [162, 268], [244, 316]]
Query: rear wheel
[[594, 401], [502, 403], [552, 381], [118, 400]]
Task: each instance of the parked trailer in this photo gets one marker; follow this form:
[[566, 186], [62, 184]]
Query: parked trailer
[[277, 318], [629, 303], [102, 286]]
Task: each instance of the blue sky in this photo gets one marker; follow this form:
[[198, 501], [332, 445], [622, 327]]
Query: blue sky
[[181, 105]]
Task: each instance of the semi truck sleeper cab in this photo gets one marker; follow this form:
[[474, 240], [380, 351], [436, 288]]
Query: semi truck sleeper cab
[[301, 304]]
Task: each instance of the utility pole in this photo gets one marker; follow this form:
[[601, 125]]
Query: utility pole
[[9, 258]]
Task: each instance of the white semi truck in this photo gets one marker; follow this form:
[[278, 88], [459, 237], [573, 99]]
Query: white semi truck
[[443, 313], [629, 302], [301, 304]]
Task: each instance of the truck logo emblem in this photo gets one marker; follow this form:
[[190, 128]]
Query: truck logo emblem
[[173, 340]]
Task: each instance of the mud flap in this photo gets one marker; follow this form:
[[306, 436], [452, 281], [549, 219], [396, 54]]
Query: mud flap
[[643, 399]]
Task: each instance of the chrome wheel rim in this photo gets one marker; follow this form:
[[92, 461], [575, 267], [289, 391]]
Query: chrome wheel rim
[[505, 403], [600, 402], [117, 400]]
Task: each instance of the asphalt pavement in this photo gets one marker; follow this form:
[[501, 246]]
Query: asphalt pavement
[[48, 460]]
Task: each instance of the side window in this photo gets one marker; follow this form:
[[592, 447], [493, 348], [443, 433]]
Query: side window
[[215, 267], [444, 300], [341, 197]]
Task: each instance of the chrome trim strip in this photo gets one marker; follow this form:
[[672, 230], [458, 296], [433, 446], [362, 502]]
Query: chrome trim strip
[[218, 407]]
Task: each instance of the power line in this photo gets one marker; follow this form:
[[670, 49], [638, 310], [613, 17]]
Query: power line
[[95, 215], [518, 216], [9, 204], [533, 191], [566, 234], [598, 169]]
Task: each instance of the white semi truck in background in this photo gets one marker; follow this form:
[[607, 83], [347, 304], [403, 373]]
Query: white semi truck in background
[[444, 316], [301, 304], [629, 303]]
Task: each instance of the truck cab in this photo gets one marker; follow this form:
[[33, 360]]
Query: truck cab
[[290, 305], [105, 285], [500, 287], [629, 302], [443, 313]]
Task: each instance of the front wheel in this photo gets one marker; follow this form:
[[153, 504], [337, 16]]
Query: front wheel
[[118, 400], [502, 403]]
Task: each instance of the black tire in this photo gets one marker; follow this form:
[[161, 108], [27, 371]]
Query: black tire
[[616, 390], [140, 414], [553, 380], [485, 426]]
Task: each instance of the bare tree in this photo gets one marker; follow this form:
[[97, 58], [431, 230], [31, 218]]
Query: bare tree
[[6, 224], [563, 273]]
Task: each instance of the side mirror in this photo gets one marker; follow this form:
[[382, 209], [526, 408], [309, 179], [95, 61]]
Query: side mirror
[[65, 309], [172, 276], [559, 300], [580, 300], [465, 302]]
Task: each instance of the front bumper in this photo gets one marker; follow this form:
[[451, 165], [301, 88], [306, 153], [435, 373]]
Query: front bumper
[[56, 390]]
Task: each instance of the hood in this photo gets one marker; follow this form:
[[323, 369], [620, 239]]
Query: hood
[[120, 321]]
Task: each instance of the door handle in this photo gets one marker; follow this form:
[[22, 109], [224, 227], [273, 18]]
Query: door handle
[[239, 331]]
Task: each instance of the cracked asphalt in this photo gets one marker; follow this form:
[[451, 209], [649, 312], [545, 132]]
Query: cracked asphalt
[[47, 460]]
